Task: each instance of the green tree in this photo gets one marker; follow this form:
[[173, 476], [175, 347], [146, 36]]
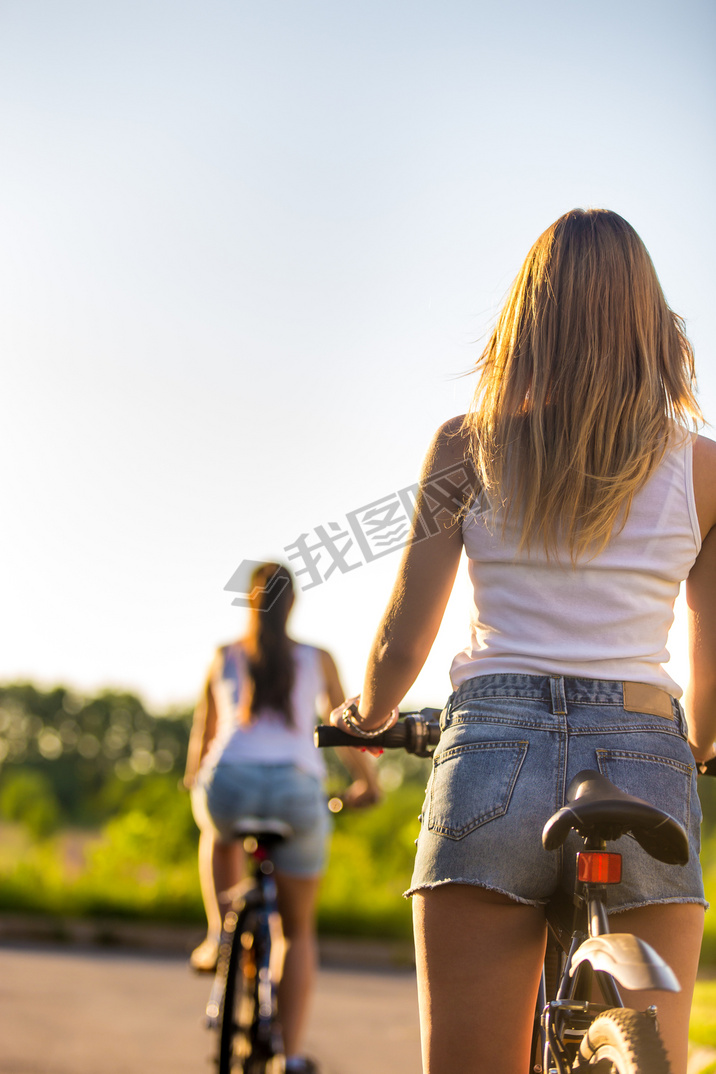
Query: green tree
[[88, 748], [27, 796]]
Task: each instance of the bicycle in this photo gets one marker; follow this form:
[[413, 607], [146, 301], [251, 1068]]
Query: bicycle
[[242, 1005], [572, 1032]]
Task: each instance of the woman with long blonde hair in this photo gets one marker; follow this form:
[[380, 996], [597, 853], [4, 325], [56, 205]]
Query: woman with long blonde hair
[[587, 499]]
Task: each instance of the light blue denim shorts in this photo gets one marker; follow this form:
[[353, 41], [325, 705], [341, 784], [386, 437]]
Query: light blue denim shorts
[[510, 746], [231, 791]]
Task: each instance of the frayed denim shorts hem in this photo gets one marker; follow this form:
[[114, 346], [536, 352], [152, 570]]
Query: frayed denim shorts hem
[[509, 748], [543, 902], [684, 901], [472, 883]]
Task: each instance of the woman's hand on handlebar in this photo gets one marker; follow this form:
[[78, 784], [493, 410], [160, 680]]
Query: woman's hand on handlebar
[[361, 794], [347, 717], [703, 754]]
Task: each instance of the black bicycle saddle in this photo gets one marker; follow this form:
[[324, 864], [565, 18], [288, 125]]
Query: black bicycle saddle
[[268, 830], [596, 807]]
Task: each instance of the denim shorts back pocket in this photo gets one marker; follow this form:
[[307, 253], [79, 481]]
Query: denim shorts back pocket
[[662, 781], [472, 784]]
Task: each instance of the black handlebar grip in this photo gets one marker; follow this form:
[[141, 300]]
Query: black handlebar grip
[[395, 738], [708, 768]]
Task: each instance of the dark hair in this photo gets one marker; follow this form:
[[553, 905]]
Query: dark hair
[[269, 650]]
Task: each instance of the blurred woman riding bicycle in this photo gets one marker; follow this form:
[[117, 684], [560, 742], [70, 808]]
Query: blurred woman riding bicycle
[[251, 753]]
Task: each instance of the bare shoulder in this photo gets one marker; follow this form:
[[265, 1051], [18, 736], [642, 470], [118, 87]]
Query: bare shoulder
[[704, 452], [326, 661], [449, 445], [220, 653], [705, 482], [331, 678], [453, 435], [450, 450]]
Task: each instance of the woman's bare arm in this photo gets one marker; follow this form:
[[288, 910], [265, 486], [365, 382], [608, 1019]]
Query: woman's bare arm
[[423, 585], [203, 730], [365, 789], [700, 697]]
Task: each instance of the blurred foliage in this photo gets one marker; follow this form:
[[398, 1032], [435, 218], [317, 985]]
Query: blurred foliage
[[707, 796], [94, 784], [27, 795], [140, 863], [370, 867], [96, 822], [702, 1028], [708, 864], [85, 754]]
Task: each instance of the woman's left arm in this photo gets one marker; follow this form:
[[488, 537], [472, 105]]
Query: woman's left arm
[[203, 730], [365, 788], [425, 577]]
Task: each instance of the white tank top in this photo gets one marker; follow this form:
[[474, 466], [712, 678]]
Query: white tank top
[[605, 619], [268, 739]]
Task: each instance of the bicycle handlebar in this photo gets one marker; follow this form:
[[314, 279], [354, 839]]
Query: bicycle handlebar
[[416, 733]]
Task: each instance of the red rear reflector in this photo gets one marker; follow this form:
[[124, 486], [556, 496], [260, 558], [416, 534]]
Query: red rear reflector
[[597, 867]]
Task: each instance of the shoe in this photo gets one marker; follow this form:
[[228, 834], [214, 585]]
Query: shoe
[[302, 1065], [203, 958]]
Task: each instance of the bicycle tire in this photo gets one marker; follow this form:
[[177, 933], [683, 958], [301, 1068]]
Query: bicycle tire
[[622, 1041], [246, 1042], [227, 1024], [265, 1053]]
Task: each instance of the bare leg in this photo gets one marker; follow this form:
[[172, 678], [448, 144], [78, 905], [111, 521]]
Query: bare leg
[[297, 907], [206, 880], [674, 931], [227, 868], [220, 866], [479, 958]]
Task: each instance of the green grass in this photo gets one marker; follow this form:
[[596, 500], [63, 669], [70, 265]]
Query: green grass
[[703, 1015], [370, 867], [708, 863], [133, 868], [111, 877], [142, 864]]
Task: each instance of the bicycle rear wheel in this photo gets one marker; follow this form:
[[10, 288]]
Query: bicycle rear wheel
[[228, 1025], [622, 1041], [249, 1038]]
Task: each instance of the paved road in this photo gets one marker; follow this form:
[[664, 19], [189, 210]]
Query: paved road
[[68, 1011]]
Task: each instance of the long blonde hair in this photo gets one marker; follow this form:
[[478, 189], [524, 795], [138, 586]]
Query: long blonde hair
[[579, 385]]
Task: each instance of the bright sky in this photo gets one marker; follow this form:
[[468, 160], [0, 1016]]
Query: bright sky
[[247, 249]]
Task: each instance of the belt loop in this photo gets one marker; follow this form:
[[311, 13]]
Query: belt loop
[[559, 700], [445, 715]]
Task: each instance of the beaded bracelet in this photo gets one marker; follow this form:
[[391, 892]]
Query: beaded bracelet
[[349, 715]]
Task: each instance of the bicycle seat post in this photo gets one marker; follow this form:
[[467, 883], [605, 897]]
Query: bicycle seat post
[[595, 893]]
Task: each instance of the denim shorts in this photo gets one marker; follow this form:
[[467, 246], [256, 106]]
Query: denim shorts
[[510, 746], [229, 792]]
